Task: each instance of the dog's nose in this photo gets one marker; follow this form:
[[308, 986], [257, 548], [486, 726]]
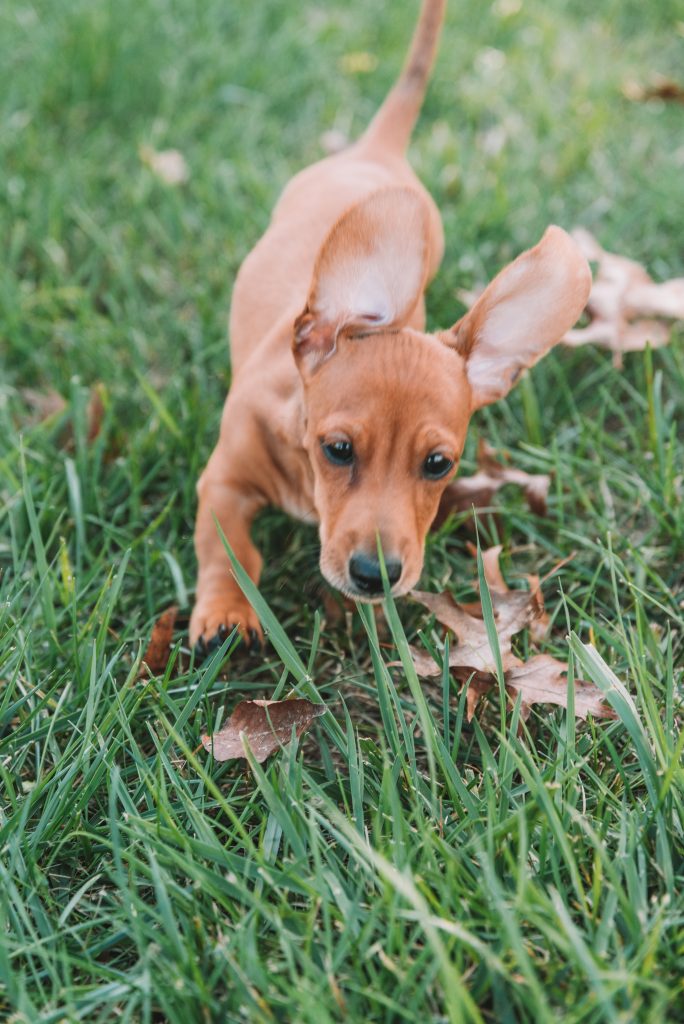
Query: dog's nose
[[364, 572]]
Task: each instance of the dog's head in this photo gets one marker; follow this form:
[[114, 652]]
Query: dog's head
[[387, 407]]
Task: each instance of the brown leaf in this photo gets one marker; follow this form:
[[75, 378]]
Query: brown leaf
[[620, 338], [157, 654], [540, 680], [626, 309], [660, 88], [480, 488], [478, 683], [649, 299], [95, 411], [478, 686], [513, 611], [45, 404], [539, 622], [543, 680], [539, 625], [42, 404], [266, 724], [491, 566], [492, 569], [425, 665], [624, 298]]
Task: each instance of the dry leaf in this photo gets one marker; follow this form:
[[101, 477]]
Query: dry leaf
[[626, 308], [95, 411], [660, 88], [266, 725], [539, 622], [45, 404], [478, 683], [541, 679], [480, 488], [665, 300], [157, 654], [168, 165], [478, 687], [620, 338], [491, 567], [513, 611]]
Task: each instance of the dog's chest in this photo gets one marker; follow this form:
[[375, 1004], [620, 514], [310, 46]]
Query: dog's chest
[[291, 483], [294, 486], [301, 509]]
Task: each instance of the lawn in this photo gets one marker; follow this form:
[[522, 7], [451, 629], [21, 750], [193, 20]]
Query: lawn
[[399, 864]]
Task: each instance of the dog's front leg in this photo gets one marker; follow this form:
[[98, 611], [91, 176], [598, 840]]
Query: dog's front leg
[[219, 603]]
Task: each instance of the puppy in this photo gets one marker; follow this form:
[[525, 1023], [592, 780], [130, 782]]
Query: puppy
[[342, 410]]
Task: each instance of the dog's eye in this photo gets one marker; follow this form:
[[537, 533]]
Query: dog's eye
[[340, 453], [436, 466]]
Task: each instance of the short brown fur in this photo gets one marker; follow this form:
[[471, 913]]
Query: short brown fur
[[328, 345]]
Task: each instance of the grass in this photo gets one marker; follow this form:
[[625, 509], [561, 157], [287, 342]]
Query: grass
[[400, 864]]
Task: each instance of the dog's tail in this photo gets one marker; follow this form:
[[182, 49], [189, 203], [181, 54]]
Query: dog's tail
[[392, 125]]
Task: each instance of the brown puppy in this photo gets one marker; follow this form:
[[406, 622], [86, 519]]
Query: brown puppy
[[342, 411]]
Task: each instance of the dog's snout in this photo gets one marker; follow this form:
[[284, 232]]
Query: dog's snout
[[365, 573]]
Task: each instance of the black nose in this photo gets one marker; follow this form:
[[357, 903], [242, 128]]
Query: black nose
[[364, 572]]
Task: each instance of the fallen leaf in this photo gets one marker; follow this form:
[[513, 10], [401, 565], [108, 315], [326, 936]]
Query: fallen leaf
[[491, 567], [157, 654], [665, 299], [168, 165], [513, 611], [42, 404], [266, 725], [660, 88], [478, 687], [478, 684], [539, 621], [539, 626], [95, 411], [543, 680], [540, 680], [627, 309], [620, 338], [45, 404], [479, 489]]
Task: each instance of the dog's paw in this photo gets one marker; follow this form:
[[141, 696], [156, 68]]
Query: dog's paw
[[212, 622]]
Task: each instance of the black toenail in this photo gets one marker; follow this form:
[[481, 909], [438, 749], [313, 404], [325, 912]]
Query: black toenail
[[254, 642], [218, 639], [205, 648]]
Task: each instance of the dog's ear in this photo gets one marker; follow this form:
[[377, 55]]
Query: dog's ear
[[369, 274], [525, 310]]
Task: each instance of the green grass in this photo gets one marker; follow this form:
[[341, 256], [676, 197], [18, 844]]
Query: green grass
[[401, 864]]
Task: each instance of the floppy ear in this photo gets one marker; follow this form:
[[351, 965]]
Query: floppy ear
[[526, 309], [369, 274]]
